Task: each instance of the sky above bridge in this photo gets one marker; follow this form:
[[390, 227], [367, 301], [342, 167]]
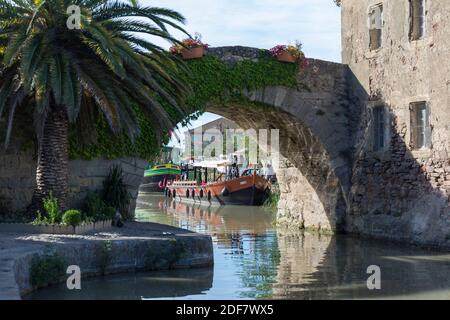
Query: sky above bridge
[[260, 24], [263, 23]]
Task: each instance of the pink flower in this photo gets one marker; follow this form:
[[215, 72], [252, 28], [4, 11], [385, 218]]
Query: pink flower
[[306, 62], [189, 43], [277, 50]]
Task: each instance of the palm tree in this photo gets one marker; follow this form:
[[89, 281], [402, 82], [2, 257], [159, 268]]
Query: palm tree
[[107, 62]]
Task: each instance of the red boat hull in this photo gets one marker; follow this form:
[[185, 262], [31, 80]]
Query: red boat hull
[[248, 190]]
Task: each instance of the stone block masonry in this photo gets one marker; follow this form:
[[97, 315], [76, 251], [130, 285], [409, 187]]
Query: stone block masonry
[[330, 178], [400, 192], [18, 174], [136, 247]]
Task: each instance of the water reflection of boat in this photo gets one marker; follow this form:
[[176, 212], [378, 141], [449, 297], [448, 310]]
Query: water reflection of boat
[[155, 179], [255, 220]]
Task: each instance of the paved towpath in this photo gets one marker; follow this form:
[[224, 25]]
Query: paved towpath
[[14, 245]]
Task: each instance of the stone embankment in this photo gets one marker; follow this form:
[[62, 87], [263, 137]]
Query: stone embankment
[[136, 247]]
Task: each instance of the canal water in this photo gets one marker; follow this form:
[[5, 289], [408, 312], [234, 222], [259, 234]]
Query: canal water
[[255, 260]]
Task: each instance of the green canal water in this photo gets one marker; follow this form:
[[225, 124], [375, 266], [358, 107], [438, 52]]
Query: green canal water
[[255, 260]]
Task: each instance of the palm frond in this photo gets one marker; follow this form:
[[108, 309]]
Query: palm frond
[[109, 62]]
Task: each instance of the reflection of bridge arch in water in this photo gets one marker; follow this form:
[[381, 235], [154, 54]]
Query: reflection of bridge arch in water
[[335, 267], [301, 256]]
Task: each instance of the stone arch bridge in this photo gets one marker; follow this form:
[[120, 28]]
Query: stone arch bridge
[[315, 143], [315, 121], [330, 179]]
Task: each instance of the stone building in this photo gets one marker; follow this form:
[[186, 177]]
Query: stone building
[[208, 131], [398, 54]]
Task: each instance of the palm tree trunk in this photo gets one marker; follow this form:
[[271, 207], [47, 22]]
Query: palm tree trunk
[[52, 174]]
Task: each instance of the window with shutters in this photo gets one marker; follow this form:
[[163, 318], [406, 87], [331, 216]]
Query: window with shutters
[[379, 128], [420, 126], [417, 19], [376, 26]]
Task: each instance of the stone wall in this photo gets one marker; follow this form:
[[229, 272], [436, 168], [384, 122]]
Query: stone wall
[[18, 174], [137, 247], [400, 193], [89, 176]]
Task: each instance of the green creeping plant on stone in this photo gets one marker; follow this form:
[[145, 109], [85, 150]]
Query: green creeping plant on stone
[[104, 256], [212, 81], [46, 269]]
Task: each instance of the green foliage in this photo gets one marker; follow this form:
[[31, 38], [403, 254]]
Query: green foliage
[[115, 191], [274, 196], [46, 269], [212, 81], [95, 208], [40, 219], [50, 204], [113, 146], [100, 67], [93, 204], [72, 218], [104, 256], [108, 213]]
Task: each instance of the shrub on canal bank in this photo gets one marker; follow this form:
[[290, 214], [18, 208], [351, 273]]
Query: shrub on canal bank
[[52, 209], [47, 269], [114, 197], [272, 201], [72, 218], [95, 209], [104, 256], [115, 192]]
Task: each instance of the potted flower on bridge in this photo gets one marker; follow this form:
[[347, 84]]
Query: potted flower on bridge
[[288, 53], [190, 48]]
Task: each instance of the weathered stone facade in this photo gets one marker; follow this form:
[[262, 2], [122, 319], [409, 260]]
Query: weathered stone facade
[[400, 193]]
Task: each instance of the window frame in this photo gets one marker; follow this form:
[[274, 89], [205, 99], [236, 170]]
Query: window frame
[[424, 22], [381, 22], [426, 126], [380, 143]]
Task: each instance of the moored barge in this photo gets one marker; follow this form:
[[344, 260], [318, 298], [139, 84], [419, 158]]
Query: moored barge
[[250, 190], [156, 178]]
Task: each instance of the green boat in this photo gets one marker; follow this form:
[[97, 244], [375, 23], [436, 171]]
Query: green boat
[[156, 178]]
